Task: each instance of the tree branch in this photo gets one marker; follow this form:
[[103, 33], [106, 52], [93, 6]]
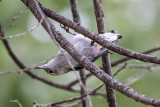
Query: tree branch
[[99, 40], [76, 18], [76, 81], [75, 13], [16, 101], [59, 102], [111, 98], [22, 34], [115, 63], [15, 18], [127, 58], [83, 91], [29, 72]]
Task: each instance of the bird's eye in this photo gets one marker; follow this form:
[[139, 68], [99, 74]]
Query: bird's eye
[[49, 71], [112, 31]]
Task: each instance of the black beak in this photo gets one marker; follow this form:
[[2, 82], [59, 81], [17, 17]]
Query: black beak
[[119, 36], [39, 67]]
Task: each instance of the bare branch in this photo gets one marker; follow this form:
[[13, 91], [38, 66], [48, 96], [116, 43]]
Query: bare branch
[[141, 66], [24, 33], [136, 77], [149, 67], [32, 5], [111, 98], [60, 102], [99, 16], [131, 79], [123, 67], [74, 82], [23, 70], [83, 91], [127, 58], [99, 40], [75, 13], [97, 88], [115, 63], [16, 72], [82, 83], [76, 18], [29, 72], [71, 105], [15, 18]]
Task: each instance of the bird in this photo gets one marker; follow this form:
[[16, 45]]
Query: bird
[[63, 62]]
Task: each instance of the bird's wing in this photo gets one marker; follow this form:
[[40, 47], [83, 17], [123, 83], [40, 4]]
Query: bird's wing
[[100, 53]]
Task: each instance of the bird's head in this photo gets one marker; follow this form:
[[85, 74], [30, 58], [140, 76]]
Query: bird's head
[[48, 70], [111, 36]]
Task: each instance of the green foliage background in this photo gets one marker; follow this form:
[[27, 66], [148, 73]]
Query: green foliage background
[[137, 20]]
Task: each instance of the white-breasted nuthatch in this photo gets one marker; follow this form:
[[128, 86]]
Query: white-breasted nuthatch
[[64, 63]]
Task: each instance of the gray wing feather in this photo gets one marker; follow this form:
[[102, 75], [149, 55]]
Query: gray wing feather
[[100, 53]]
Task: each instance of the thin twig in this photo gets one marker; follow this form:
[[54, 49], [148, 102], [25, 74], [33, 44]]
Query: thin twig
[[140, 66], [24, 33], [123, 67], [128, 81], [35, 104], [71, 105], [136, 77], [8, 72], [16, 101], [97, 88], [15, 18], [74, 82], [126, 66], [127, 58], [23, 70], [59, 102]]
